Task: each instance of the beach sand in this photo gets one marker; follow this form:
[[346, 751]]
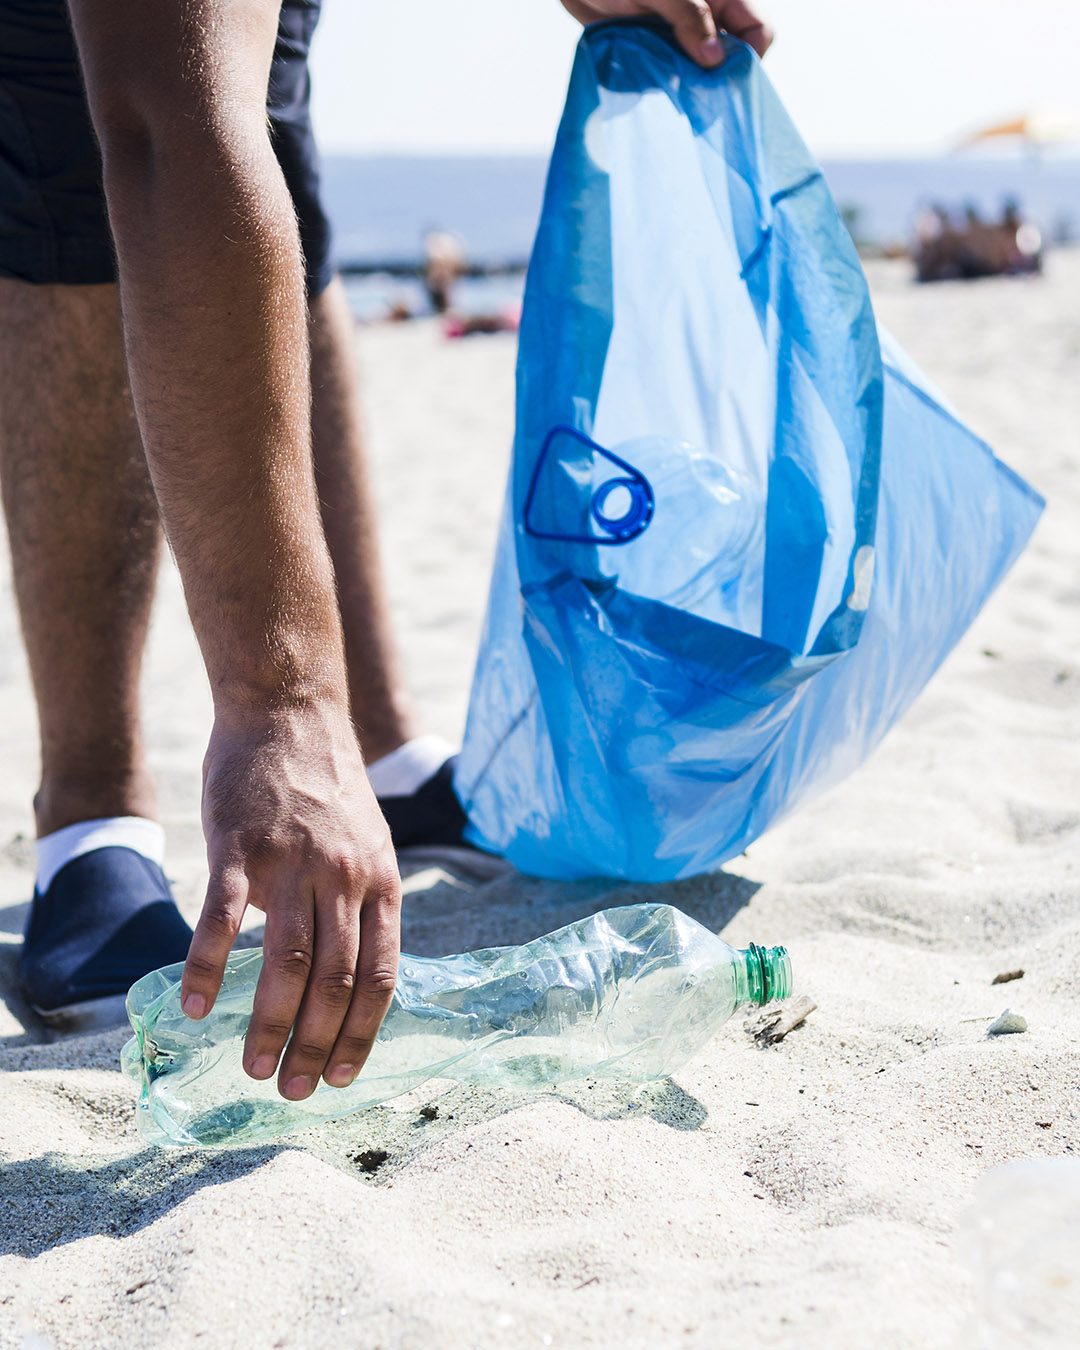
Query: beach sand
[[809, 1194]]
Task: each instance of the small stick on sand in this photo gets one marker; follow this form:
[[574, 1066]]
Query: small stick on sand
[[786, 1018]]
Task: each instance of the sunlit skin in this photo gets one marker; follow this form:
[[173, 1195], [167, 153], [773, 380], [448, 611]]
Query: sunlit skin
[[216, 331]]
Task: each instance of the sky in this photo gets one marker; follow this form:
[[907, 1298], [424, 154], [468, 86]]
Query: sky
[[860, 77]]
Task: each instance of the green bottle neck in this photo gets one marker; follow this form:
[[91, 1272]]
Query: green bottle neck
[[762, 974]]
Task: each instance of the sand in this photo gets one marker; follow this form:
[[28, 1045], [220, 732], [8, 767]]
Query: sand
[[809, 1194]]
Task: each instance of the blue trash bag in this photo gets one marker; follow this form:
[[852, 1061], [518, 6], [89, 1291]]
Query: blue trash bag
[[742, 530]]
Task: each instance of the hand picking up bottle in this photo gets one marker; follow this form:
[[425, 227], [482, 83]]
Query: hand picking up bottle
[[630, 993]]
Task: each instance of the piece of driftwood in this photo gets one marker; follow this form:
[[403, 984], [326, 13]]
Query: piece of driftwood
[[790, 1014], [1006, 976]]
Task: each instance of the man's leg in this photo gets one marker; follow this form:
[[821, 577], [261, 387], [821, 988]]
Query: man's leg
[[85, 540], [83, 528], [382, 709], [411, 774]]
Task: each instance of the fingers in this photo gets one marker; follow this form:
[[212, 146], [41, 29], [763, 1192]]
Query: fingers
[[329, 992], [737, 17], [288, 959], [695, 27], [219, 923], [376, 975], [328, 978]]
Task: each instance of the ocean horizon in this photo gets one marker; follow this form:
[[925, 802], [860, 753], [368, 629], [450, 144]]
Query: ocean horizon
[[382, 206]]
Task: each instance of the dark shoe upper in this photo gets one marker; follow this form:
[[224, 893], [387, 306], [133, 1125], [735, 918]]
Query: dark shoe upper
[[107, 918], [431, 815]]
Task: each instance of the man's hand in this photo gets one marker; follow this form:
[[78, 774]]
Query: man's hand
[[293, 828], [696, 22]]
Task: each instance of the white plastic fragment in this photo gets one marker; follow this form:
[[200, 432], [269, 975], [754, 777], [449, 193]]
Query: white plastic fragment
[[1009, 1021]]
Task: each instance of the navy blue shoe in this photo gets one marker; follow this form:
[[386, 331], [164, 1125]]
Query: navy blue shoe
[[107, 918], [429, 817], [428, 826]]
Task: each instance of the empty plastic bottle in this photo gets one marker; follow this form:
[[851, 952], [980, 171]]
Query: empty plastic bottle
[[663, 519], [628, 993], [703, 550]]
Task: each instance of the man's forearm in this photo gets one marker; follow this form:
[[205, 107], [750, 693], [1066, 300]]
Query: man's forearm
[[215, 320], [217, 334]]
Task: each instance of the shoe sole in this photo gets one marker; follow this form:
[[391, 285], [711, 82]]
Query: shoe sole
[[99, 1014]]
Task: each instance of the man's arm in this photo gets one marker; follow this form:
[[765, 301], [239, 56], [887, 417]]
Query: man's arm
[[211, 287], [696, 22]]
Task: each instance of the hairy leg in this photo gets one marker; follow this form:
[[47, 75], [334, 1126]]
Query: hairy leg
[[85, 541], [381, 707]]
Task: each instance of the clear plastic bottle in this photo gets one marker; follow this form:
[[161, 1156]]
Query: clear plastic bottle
[[662, 518], [628, 993], [704, 548]]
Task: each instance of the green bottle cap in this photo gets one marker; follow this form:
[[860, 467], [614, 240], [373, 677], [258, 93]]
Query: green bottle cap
[[767, 972]]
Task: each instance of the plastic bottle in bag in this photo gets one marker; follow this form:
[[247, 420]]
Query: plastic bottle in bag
[[628, 993], [666, 521], [706, 548]]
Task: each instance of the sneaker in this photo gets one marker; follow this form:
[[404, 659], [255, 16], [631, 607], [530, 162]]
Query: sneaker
[[107, 918]]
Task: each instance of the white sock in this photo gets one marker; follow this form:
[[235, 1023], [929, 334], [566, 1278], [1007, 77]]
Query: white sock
[[57, 849], [403, 770]]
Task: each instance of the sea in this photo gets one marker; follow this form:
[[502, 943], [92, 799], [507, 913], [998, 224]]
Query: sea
[[382, 207]]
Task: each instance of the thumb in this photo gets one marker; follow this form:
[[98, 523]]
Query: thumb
[[219, 923]]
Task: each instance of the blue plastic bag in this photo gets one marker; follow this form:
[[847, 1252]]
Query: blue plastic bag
[[741, 530]]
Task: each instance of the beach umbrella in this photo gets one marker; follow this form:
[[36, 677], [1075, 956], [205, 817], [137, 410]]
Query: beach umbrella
[[1038, 127]]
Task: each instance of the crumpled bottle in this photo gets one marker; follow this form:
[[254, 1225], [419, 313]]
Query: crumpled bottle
[[629, 993]]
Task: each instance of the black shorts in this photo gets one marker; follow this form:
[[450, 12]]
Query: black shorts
[[53, 222]]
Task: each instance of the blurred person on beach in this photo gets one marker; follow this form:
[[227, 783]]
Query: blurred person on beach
[[444, 262], [176, 351], [444, 266], [976, 248]]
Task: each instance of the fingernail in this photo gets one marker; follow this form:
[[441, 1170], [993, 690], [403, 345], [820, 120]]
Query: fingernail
[[296, 1089], [712, 49], [341, 1075], [263, 1066], [194, 1006]]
